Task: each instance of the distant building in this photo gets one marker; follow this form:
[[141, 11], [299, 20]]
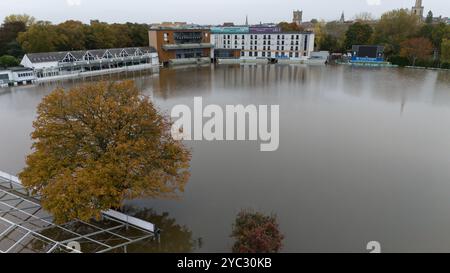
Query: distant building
[[181, 45], [16, 76], [66, 63], [418, 9], [297, 17], [261, 42]]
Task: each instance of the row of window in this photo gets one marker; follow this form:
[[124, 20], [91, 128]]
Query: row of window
[[23, 75], [264, 42], [292, 48], [265, 37], [269, 54]]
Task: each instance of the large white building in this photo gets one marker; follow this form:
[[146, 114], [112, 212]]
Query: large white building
[[261, 43], [74, 63]]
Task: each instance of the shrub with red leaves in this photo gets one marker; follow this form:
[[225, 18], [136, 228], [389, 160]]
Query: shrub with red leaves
[[255, 232]]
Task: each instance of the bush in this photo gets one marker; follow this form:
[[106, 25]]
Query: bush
[[445, 65], [256, 233], [8, 61], [400, 61]]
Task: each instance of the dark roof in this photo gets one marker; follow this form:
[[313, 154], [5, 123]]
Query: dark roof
[[78, 54], [19, 69]]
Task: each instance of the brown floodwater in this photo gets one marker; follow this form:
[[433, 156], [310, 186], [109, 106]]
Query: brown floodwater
[[364, 156]]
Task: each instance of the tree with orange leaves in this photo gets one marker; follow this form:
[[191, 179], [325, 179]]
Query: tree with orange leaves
[[416, 48], [96, 146]]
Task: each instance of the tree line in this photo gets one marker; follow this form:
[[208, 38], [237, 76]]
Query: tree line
[[21, 34], [407, 39]]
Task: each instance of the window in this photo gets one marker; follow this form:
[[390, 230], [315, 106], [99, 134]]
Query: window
[[166, 37], [250, 54], [263, 54], [242, 53]]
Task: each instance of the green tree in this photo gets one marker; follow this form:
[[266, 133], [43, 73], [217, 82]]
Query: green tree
[[8, 61], [254, 232], [429, 18], [395, 27], [40, 37], [100, 35], [330, 43], [416, 48], [8, 38], [358, 34], [445, 51], [138, 34], [336, 32], [99, 144]]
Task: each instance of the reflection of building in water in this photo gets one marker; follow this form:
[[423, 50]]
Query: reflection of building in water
[[177, 80]]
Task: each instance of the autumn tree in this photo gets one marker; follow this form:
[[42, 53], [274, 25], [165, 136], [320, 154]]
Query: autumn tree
[[40, 37], [416, 48], [97, 145], [364, 17], [72, 36], [285, 26], [255, 232], [24, 18], [358, 34], [395, 27]]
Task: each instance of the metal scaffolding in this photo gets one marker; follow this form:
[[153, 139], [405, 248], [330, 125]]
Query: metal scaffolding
[[25, 227]]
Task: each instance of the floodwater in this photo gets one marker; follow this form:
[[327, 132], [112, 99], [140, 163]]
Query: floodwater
[[364, 156]]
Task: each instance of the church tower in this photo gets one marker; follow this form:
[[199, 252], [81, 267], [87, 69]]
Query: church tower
[[298, 17], [418, 9]]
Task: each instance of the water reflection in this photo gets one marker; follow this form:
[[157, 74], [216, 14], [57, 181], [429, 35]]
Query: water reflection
[[364, 155]]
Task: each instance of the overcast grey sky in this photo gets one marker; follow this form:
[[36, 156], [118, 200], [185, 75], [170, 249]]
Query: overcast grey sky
[[205, 11]]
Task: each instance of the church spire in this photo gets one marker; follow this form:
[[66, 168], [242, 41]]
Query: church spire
[[342, 20]]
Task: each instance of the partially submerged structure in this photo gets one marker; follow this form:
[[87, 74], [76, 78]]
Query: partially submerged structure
[[26, 228], [70, 64]]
